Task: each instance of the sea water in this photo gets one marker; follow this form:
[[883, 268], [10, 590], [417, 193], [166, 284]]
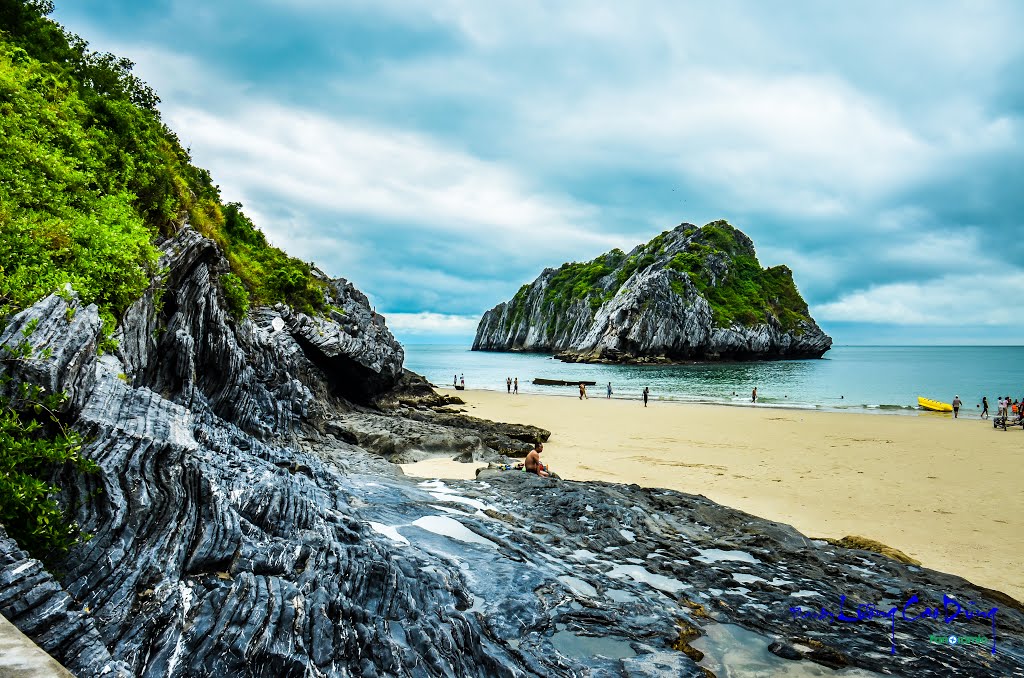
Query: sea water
[[864, 378]]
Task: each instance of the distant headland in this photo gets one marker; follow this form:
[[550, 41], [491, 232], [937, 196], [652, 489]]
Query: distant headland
[[690, 294]]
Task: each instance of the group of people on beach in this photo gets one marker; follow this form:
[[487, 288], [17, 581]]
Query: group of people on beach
[[512, 385], [1007, 408]]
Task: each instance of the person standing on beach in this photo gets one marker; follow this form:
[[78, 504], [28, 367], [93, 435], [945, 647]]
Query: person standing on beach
[[508, 384], [455, 380], [956, 407], [583, 391], [647, 392], [753, 395], [463, 380], [515, 386], [984, 407], [609, 389]]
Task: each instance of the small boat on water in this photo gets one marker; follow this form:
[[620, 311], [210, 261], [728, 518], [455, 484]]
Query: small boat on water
[[561, 382], [933, 405]]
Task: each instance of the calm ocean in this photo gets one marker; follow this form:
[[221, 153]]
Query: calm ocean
[[863, 378]]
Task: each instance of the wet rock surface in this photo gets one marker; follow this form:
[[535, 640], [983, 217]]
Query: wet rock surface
[[644, 314], [242, 527]]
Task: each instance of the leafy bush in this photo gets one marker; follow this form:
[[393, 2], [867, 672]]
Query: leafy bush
[[105, 254], [90, 176], [34, 446], [270, 275], [236, 294]]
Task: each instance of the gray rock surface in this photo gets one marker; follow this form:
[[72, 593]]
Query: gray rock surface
[[643, 311], [48, 345], [236, 532], [352, 345], [40, 607]]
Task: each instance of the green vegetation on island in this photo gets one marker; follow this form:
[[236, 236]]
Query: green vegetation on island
[[747, 293], [718, 259]]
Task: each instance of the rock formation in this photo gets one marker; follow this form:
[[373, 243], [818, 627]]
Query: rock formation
[[246, 523], [688, 294]]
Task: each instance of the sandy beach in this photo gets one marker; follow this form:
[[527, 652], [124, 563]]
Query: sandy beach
[[946, 492]]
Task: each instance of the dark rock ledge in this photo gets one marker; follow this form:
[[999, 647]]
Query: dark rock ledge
[[243, 530]]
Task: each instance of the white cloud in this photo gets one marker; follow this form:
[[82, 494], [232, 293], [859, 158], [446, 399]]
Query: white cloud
[[359, 170], [951, 300], [432, 323], [514, 136]]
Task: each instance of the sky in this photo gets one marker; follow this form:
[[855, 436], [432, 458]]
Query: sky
[[441, 154]]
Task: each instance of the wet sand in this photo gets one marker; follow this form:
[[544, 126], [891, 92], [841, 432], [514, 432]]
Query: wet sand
[[947, 492]]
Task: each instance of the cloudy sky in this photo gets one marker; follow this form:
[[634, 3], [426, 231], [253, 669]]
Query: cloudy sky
[[440, 154]]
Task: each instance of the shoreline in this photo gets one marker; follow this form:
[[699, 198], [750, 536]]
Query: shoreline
[[884, 409], [943, 491]]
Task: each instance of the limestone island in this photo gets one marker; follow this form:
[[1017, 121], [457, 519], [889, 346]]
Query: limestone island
[[690, 294]]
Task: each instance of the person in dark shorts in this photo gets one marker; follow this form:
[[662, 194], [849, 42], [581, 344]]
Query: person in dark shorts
[[647, 392], [956, 407], [984, 407]]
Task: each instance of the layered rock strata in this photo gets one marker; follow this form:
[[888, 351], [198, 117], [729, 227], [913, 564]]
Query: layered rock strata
[[241, 528]]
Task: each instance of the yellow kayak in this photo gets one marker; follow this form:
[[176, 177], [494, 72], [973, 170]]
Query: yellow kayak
[[934, 405]]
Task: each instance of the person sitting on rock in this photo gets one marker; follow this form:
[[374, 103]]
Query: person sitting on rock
[[533, 464]]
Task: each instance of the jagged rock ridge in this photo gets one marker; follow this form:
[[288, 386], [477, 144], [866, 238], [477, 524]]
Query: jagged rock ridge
[[688, 294], [241, 528]]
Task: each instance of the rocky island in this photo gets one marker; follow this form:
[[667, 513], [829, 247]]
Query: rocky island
[[198, 435], [689, 294]]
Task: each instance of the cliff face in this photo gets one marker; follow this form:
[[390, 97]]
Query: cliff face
[[688, 294], [246, 522]]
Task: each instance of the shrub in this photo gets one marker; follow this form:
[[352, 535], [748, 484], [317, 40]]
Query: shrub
[[33, 447], [90, 176], [236, 294]]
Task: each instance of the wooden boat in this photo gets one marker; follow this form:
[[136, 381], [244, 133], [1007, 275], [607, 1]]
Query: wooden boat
[[561, 382], [459, 387], [934, 405]]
